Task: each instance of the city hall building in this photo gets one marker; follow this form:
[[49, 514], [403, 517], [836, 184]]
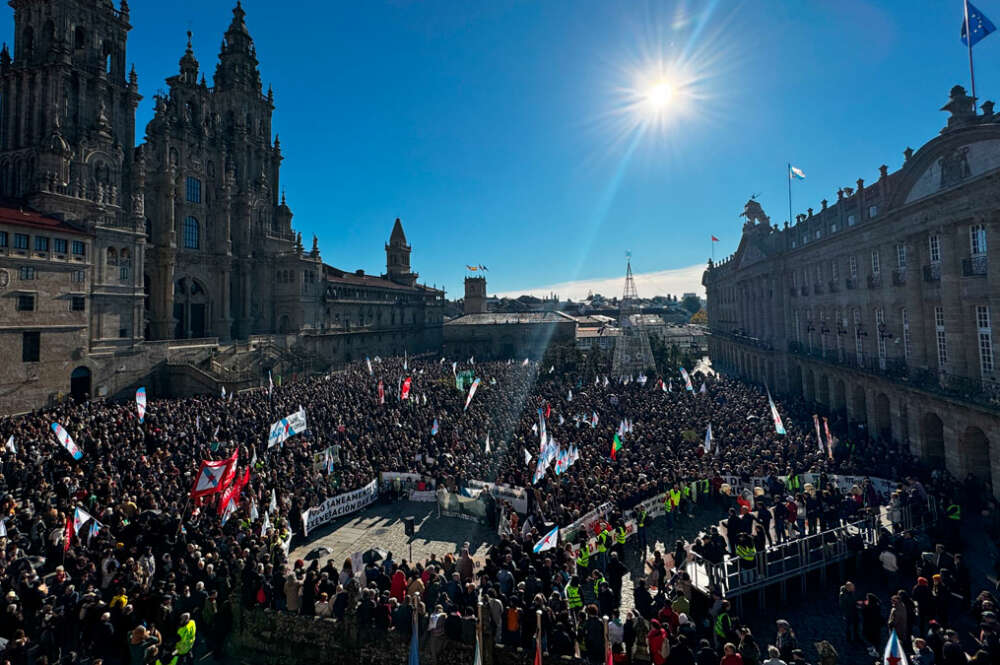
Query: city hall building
[[879, 307]]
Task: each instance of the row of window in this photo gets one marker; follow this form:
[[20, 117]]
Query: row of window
[[29, 273], [977, 248], [834, 227], [42, 243], [984, 332], [26, 303], [123, 261]]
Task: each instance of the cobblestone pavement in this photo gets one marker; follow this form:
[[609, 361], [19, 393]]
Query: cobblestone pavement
[[381, 525]]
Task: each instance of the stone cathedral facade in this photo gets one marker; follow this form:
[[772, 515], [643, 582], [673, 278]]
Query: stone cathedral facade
[[107, 248]]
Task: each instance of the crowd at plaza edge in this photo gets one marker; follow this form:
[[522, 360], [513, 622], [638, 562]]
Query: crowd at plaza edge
[[154, 576]]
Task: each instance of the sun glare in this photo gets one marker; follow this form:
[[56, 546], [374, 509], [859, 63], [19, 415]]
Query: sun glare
[[659, 96]]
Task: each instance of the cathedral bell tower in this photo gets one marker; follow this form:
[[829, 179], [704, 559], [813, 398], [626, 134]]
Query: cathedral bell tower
[[397, 257]]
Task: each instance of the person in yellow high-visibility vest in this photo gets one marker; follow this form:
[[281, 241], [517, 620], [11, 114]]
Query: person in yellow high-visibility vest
[[668, 510], [186, 634], [603, 539], [583, 561], [675, 500]]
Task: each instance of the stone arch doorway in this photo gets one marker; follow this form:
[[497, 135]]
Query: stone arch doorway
[[190, 308], [932, 439], [823, 390], [975, 453], [859, 406], [838, 399], [795, 379], [883, 417], [79, 383], [809, 386]]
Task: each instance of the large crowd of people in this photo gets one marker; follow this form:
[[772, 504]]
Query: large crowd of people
[[153, 576]]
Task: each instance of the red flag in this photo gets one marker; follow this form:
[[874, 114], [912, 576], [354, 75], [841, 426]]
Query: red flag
[[714, 239], [232, 492], [69, 534], [213, 476], [381, 393], [405, 394], [538, 652], [548, 410]]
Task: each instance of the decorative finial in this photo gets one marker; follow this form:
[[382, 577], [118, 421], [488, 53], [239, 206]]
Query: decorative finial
[[282, 196], [189, 40]]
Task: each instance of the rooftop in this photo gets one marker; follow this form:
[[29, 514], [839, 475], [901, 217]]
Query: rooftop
[[360, 278], [501, 318], [34, 220]]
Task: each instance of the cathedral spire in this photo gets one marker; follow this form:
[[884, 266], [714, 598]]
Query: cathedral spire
[[189, 65], [238, 58]]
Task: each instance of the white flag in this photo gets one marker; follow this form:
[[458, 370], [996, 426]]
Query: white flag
[[708, 438], [273, 506], [265, 526], [254, 515], [3, 528], [487, 442], [569, 397], [367, 360], [223, 392], [10, 444], [527, 457]]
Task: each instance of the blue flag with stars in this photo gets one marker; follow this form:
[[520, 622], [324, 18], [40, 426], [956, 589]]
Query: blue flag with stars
[[979, 24]]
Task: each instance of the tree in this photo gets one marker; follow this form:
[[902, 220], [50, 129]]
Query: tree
[[700, 317], [691, 303]]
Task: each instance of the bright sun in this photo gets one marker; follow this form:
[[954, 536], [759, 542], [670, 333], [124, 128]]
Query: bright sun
[[658, 96]]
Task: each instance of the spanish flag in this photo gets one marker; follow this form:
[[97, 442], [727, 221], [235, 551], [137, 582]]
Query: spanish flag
[[471, 267]]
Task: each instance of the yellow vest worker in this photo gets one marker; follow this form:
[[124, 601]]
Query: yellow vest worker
[[185, 635]]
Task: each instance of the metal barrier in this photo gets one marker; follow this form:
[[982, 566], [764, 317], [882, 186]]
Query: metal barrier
[[795, 558]]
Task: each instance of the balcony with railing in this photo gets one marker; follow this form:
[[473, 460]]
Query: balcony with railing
[[932, 272], [974, 266], [899, 277], [875, 281]]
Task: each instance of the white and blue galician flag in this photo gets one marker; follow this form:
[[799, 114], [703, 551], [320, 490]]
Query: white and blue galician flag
[[80, 517], [979, 24], [95, 527], [67, 441], [708, 438], [795, 173], [548, 542], [434, 428], [140, 403], [894, 654], [288, 427], [779, 427], [472, 391]]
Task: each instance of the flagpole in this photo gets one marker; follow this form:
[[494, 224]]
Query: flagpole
[[788, 177], [968, 40], [607, 645], [538, 634]]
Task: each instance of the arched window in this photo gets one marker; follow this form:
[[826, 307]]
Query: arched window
[[112, 256], [124, 265], [190, 233]]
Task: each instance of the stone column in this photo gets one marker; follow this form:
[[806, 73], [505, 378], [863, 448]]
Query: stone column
[[956, 329]]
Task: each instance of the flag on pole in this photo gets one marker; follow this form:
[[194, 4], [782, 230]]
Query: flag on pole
[[80, 517], [254, 514], [265, 525], [68, 535], [273, 505], [894, 654], [616, 445], [702, 391], [95, 527], [10, 444], [406, 361], [140, 403], [795, 173], [287, 427], [527, 456], [212, 474], [829, 439], [779, 427], [381, 393], [434, 428], [819, 438], [487, 443], [3, 528], [368, 360], [549, 541], [66, 441], [477, 657], [270, 383], [981, 26], [708, 438], [223, 392], [228, 511], [687, 380], [404, 392], [569, 397], [714, 239], [472, 391]]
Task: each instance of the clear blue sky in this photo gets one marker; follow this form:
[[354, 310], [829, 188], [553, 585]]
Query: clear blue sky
[[494, 128]]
